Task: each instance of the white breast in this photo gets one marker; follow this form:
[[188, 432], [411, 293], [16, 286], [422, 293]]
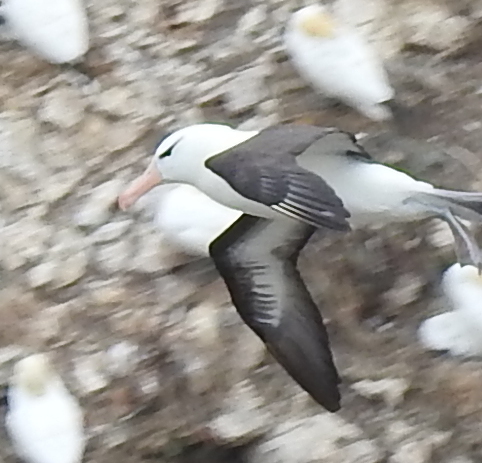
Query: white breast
[[55, 29], [191, 220]]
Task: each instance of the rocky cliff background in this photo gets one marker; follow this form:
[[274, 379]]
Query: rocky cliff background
[[149, 341]]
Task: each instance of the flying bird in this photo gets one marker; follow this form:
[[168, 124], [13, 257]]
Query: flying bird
[[338, 62], [289, 180], [43, 420], [458, 331], [55, 30], [191, 220]]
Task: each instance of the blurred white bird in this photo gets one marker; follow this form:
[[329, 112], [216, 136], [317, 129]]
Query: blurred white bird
[[44, 420], [338, 62], [458, 331], [190, 220], [55, 30]]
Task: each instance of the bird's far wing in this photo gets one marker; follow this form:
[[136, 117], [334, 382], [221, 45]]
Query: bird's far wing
[[257, 259], [264, 169]]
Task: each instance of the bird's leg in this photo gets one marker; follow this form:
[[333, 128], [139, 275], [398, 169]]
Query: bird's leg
[[466, 248]]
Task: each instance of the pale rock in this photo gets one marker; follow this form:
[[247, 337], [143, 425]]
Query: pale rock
[[413, 452], [23, 241], [250, 350], [439, 234], [186, 45], [398, 431], [148, 383], [98, 207], [114, 257], [122, 134], [391, 390], [15, 193], [41, 274], [47, 323], [245, 90], [198, 372], [253, 20], [70, 257], [144, 13], [432, 25], [202, 328], [198, 11], [113, 11], [325, 437], [89, 375], [191, 116], [407, 289], [62, 107], [115, 437], [412, 445], [171, 292], [116, 101], [462, 459], [61, 184], [59, 151], [201, 347], [110, 231], [19, 147], [154, 253], [242, 416], [106, 292], [268, 108], [259, 122], [122, 358], [374, 20]]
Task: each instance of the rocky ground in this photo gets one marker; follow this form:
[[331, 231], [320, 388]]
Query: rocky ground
[[149, 341]]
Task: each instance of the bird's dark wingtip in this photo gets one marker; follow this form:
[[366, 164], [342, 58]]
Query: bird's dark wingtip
[[333, 408]]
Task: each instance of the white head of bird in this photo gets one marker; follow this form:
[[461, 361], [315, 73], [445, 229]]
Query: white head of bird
[[314, 21], [463, 286], [180, 158], [33, 374]]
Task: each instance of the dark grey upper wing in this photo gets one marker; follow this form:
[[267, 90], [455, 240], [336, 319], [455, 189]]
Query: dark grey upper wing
[[264, 169], [257, 259]]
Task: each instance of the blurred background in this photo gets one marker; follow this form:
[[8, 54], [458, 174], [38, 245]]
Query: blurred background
[[144, 335]]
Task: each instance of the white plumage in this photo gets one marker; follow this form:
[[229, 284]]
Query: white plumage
[[44, 420], [191, 220], [57, 30], [460, 330], [372, 193], [337, 61]]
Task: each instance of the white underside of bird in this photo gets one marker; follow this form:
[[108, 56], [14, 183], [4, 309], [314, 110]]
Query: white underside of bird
[[55, 30], [46, 427], [338, 62], [458, 331], [191, 220]]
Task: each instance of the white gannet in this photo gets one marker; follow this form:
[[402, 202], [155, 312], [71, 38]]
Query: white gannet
[[289, 180], [57, 31], [458, 331], [43, 420], [338, 62]]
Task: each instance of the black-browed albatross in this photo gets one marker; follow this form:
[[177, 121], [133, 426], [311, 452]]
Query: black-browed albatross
[[289, 180]]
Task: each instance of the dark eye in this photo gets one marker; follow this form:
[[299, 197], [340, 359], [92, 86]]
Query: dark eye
[[167, 153]]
